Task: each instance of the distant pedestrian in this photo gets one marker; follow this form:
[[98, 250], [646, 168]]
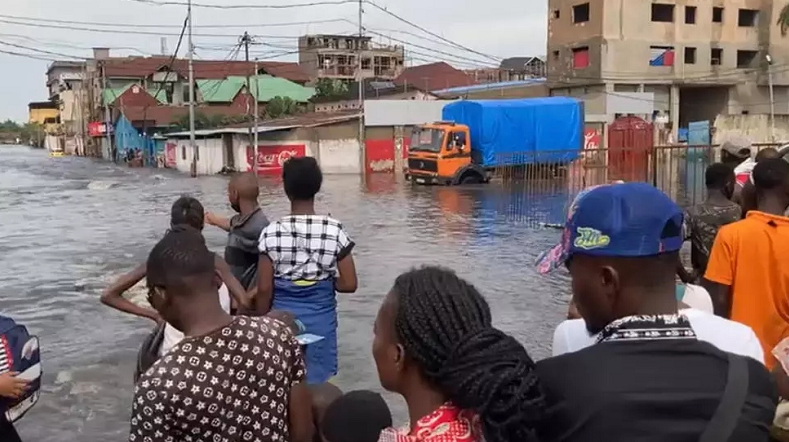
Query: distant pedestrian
[[305, 258], [230, 378], [703, 220], [462, 379], [244, 228], [747, 194], [747, 275]]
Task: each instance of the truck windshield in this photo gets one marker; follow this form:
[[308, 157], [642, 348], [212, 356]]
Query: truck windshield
[[427, 140]]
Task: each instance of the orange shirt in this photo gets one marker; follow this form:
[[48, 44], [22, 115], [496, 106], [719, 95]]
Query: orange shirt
[[752, 256]]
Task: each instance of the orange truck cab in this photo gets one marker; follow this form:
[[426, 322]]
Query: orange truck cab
[[440, 153]]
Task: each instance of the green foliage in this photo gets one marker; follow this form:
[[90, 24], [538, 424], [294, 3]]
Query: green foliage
[[330, 88], [783, 20], [281, 106], [203, 121], [28, 133]]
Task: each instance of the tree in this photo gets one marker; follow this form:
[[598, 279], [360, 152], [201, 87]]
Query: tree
[[330, 88], [783, 20], [281, 106]]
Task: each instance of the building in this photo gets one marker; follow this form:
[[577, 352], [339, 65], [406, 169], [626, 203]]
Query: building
[[510, 69], [698, 59], [532, 88], [335, 56], [373, 90], [65, 83], [45, 114]]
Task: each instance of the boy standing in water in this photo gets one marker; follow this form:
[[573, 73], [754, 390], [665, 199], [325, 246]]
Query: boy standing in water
[[244, 228], [305, 259]]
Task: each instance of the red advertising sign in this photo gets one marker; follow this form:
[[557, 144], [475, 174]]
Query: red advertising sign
[[271, 158], [97, 129], [170, 155], [591, 139]]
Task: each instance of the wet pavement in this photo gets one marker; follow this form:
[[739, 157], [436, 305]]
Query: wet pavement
[[69, 225]]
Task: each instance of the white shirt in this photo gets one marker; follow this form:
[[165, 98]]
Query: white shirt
[[173, 336], [697, 297], [730, 336]]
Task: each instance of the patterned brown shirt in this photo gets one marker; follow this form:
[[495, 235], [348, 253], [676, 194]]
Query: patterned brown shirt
[[232, 385], [702, 223]]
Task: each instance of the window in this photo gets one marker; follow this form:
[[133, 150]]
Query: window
[[661, 56], [746, 58], [662, 12], [556, 14], [580, 57], [747, 18], [581, 13], [690, 15], [716, 56], [555, 55], [717, 15], [690, 55], [183, 152]]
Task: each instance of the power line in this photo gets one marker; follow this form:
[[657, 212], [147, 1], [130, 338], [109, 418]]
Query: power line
[[39, 50], [126, 31], [410, 23], [460, 57], [247, 6], [163, 26]]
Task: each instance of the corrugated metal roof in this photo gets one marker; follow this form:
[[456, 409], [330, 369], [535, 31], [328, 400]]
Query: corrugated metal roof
[[490, 86], [219, 91], [402, 112], [433, 76], [268, 87], [227, 130], [109, 95]]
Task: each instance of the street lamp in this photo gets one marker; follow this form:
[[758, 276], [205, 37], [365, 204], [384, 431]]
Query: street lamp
[[772, 96]]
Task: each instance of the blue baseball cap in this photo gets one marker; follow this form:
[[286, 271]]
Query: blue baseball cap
[[618, 220]]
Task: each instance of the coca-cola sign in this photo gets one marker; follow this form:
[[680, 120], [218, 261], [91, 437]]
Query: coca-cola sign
[[271, 158]]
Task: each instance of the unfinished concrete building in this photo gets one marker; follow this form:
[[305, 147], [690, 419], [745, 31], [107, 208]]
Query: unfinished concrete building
[[700, 58], [335, 56]]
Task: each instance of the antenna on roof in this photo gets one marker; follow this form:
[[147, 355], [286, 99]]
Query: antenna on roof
[[163, 42]]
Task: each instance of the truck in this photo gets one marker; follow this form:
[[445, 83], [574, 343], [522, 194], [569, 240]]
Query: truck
[[477, 136]]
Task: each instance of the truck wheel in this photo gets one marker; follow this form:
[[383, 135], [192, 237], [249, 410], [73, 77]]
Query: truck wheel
[[470, 178]]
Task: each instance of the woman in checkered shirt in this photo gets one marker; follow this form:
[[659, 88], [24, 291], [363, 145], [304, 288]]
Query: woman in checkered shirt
[[305, 259]]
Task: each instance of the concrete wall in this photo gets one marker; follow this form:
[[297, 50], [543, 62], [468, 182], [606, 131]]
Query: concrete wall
[[755, 128], [354, 104], [210, 160]]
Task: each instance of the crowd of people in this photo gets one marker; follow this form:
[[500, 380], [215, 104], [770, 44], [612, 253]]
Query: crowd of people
[[640, 357]]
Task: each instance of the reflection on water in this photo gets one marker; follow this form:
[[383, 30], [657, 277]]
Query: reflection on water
[[71, 224]]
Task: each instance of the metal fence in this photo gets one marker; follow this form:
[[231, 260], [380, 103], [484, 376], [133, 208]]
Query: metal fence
[[541, 185]]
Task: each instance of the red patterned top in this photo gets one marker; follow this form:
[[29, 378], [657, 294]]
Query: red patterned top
[[447, 424]]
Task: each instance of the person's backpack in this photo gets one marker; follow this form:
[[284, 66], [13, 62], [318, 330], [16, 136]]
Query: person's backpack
[[20, 353]]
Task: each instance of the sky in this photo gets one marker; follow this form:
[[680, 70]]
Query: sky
[[492, 29]]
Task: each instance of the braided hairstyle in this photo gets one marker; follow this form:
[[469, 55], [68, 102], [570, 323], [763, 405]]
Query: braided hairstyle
[[181, 253], [444, 324], [187, 211]]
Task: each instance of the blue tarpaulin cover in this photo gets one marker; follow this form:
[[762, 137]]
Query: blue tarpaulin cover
[[521, 131]]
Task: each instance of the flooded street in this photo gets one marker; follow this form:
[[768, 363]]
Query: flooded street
[[69, 225]]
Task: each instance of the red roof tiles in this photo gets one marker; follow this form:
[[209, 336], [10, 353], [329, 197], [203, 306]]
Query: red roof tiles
[[141, 67], [434, 76]]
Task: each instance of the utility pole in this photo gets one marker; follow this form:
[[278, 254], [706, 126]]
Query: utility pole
[[107, 119], [772, 96], [246, 39], [360, 78], [255, 154], [192, 138]]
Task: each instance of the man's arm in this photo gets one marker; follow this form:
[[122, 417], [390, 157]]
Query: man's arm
[[233, 286], [217, 221], [147, 422], [265, 286], [113, 295], [719, 277]]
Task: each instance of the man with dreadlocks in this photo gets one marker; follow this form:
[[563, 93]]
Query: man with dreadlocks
[[230, 378], [648, 377], [462, 379]]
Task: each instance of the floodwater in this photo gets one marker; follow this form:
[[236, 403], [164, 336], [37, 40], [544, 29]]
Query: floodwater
[[69, 225]]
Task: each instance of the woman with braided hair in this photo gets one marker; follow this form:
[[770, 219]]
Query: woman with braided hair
[[463, 379]]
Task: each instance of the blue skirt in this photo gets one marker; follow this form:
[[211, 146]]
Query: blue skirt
[[314, 303]]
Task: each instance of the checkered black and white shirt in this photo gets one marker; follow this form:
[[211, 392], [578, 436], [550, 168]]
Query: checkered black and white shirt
[[304, 247]]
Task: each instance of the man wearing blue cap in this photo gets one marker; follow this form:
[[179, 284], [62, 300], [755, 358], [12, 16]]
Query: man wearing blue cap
[[648, 377]]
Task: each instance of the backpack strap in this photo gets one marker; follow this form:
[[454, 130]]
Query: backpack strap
[[727, 415]]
